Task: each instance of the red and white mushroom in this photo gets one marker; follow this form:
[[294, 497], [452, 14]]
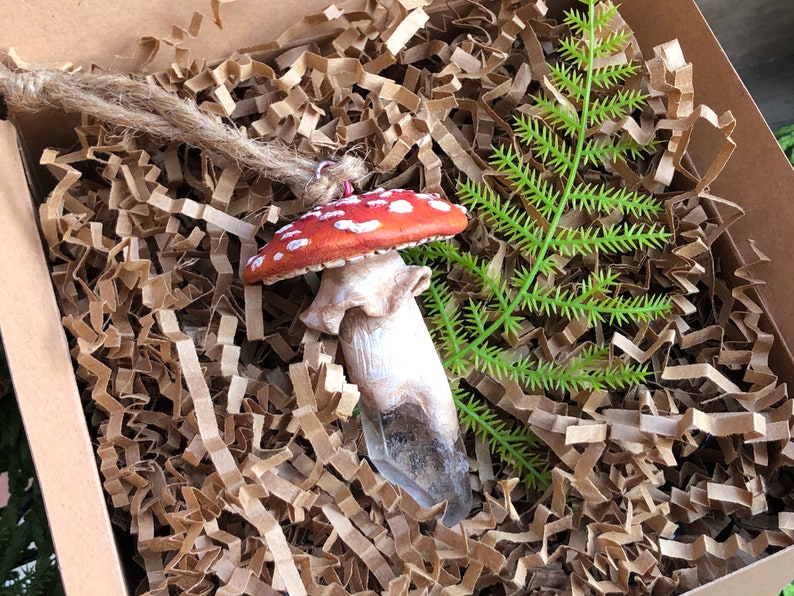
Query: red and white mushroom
[[366, 297]]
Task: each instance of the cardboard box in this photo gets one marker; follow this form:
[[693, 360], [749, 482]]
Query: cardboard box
[[758, 177]]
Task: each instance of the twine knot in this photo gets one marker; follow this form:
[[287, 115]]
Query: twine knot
[[332, 177], [25, 90]]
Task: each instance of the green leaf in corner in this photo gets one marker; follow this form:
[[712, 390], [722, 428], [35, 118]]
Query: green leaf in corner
[[785, 136]]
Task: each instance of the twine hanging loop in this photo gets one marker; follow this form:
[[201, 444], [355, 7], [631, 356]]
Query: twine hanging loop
[[134, 104]]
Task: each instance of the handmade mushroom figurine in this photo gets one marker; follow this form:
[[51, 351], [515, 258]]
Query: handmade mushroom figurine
[[366, 297]]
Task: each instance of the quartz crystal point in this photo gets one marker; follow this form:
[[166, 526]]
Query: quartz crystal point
[[407, 411], [409, 453]]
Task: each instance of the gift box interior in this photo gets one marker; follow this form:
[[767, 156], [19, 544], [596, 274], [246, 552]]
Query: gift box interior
[[220, 436]]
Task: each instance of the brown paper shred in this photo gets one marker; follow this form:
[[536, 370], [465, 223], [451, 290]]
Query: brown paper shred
[[222, 457], [734, 423], [671, 75], [360, 545], [226, 432]]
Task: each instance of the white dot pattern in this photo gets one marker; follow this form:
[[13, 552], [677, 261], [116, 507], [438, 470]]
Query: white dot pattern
[[439, 205], [357, 227], [401, 206], [294, 245]]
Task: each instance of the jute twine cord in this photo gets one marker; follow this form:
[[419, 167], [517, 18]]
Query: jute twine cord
[[126, 102]]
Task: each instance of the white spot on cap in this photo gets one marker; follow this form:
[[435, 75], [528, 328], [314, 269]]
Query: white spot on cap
[[386, 194], [377, 203], [278, 256], [427, 196], [296, 244], [290, 233], [283, 229], [309, 214], [401, 206], [357, 227], [255, 262], [439, 205], [462, 208], [348, 201], [330, 214]]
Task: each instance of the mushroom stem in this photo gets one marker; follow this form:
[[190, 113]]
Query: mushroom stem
[[407, 411]]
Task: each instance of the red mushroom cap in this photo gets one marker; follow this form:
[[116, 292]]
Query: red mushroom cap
[[352, 228]]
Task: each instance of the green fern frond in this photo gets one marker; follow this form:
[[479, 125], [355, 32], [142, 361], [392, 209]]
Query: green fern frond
[[607, 77], [577, 22], [620, 311], [600, 283], [501, 364], [446, 324], [568, 79], [547, 145], [603, 152], [476, 316], [584, 46], [545, 188], [508, 220], [523, 178], [519, 448], [574, 52], [620, 238], [611, 43], [562, 117], [591, 369], [494, 290], [581, 24], [614, 107], [592, 302], [593, 197], [475, 266], [555, 301]]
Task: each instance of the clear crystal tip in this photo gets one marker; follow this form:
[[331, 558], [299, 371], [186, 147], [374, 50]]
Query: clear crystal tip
[[407, 451]]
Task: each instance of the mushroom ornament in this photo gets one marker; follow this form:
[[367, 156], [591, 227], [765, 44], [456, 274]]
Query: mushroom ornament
[[366, 297]]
